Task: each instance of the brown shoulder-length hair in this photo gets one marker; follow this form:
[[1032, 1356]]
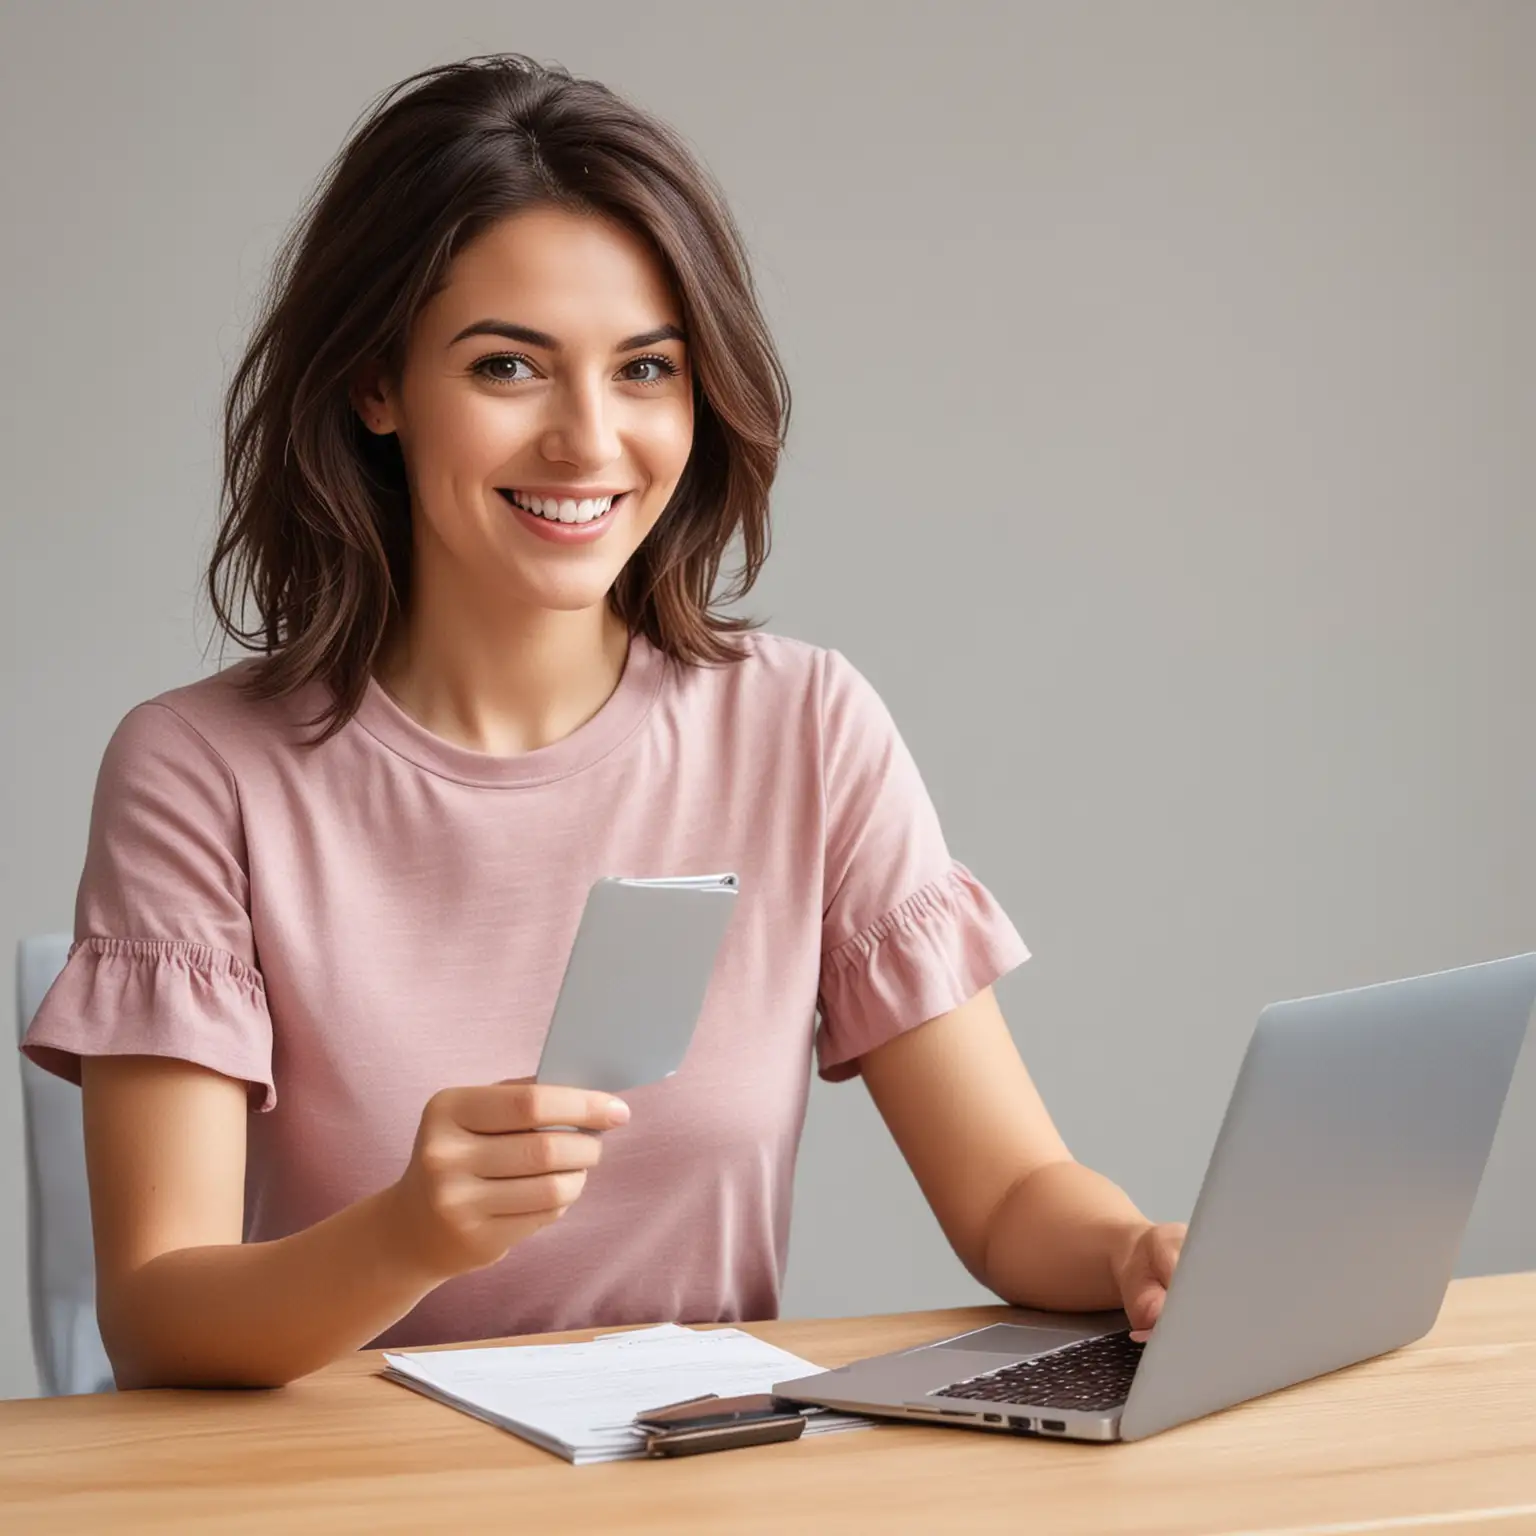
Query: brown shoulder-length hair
[[315, 530]]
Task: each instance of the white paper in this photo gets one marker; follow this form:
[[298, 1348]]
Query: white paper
[[580, 1400], [685, 882]]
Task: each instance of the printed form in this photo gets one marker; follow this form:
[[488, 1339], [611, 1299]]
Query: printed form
[[580, 1400]]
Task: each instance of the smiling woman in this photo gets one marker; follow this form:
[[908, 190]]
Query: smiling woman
[[510, 402], [485, 430], [473, 201]]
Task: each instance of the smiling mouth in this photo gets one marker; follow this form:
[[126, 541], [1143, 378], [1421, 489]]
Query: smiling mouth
[[566, 514]]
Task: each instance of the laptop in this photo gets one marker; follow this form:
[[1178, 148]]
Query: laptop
[[1325, 1232]]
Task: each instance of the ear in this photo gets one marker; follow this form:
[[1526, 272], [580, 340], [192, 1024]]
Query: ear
[[374, 402]]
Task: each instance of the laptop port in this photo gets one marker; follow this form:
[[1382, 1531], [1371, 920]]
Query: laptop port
[[1015, 1421], [1059, 1425], [993, 1418]]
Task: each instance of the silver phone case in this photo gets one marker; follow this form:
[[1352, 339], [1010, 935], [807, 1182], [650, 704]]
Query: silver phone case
[[636, 979]]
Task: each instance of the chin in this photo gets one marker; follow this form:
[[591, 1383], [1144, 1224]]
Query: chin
[[565, 596]]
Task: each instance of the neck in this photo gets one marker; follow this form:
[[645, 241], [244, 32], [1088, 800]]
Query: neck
[[498, 679]]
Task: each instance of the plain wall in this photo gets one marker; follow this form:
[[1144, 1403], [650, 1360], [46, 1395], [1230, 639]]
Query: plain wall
[[1163, 447]]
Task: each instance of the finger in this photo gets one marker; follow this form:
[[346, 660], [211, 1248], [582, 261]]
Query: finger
[[527, 1154], [1142, 1294], [1168, 1247], [1146, 1287], [534, 1196], [1143, 1306], [496, 1108], [1144, 1315]]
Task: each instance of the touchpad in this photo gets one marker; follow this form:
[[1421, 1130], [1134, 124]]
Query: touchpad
[[1013, 1339]]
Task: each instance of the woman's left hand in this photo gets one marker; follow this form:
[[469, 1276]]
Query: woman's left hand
[[1142, 1272]]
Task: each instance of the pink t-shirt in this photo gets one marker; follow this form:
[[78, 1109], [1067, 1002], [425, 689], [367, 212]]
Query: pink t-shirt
[[348, 928]]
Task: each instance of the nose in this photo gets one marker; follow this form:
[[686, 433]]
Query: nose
[[583, 428]]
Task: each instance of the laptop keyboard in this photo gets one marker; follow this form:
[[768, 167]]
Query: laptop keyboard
[[1088, 1377]]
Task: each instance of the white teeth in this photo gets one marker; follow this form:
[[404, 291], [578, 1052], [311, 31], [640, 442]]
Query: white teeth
[[566, 511]]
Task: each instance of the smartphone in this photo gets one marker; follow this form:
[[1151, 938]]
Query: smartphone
[[718, 1424]]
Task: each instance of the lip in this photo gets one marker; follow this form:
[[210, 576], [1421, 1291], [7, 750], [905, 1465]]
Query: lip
[[565, 533], [568, 492]]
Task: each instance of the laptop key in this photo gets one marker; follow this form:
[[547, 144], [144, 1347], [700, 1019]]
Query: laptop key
[[1088, 1376]]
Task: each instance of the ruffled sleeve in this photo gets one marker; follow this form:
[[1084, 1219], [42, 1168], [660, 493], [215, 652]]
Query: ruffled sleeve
[[164, 961], [908, 932]]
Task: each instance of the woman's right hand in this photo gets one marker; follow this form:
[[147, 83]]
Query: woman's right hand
[[483, 1174]]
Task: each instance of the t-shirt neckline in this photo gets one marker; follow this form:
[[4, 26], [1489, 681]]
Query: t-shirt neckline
[[613, 724]]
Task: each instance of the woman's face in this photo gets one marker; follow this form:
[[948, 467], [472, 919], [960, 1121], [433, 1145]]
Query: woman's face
[[551, 365]]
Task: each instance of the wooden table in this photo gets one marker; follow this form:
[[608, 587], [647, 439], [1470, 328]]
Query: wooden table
[[1438, 1436]]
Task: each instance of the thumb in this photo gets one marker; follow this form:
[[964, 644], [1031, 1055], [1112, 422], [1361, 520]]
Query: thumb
[[1142, 1290], [1167, 1243]]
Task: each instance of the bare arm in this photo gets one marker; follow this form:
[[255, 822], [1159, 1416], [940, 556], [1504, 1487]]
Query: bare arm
[[1024, 1217], [180, 1300], [183, 1302]]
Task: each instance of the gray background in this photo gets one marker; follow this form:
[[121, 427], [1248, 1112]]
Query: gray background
[[1163, 446]]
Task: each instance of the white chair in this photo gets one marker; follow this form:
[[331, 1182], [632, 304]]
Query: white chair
[[61, 1271]]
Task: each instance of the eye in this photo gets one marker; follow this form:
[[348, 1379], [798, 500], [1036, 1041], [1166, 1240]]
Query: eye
[[497, 369], [486, 367], [669, 369]]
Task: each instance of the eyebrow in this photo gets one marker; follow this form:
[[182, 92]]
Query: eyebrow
[[533, 338]]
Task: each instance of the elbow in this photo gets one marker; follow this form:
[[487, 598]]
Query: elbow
[[146, 1372], [132, 1361], [141, 1361], [980, 1254], [1004, 1230]]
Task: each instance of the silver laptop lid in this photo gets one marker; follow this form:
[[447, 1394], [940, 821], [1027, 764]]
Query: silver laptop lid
[[1327, 1227]]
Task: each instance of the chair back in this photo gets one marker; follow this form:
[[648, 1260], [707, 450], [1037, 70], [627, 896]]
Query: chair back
[[61, 1262]]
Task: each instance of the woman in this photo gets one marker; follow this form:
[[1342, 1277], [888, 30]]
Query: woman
[[510, 403]]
